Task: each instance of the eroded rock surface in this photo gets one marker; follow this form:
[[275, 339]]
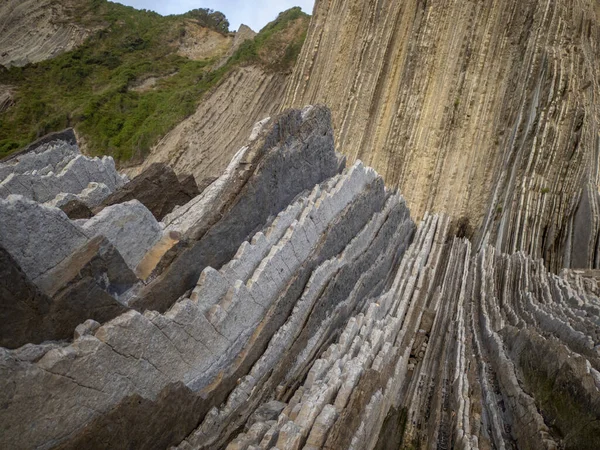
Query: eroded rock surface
[[54, 172], [34, 30], [157, 188], [37, 236], [129, 226]]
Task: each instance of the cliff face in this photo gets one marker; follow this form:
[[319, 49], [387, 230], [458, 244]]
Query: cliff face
[[204, 143], [485, 110], [34, 30]]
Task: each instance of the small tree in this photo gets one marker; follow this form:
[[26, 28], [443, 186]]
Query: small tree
[[210, 19]]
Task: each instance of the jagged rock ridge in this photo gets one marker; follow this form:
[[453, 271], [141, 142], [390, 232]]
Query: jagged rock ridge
[[303, 308]]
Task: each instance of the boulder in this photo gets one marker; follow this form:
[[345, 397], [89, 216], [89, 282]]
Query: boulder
[[130, 227], [66, 136], [157, 188], [38, 237]]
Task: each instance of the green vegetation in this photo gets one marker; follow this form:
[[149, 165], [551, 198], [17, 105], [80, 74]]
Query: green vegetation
[[272, 48], [210, 19], [561, 403], [90, 88], [545, 190]]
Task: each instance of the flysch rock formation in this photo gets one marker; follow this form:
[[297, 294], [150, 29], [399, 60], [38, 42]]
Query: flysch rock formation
[[36, 30], [487, 111], [55, 173], [157, 188], [300, 307]]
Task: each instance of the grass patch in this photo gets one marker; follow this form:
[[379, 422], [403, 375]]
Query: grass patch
[[272, 40], [90, 88], [560, 402]]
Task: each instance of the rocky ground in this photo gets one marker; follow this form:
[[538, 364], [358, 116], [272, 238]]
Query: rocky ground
[[291, 303]]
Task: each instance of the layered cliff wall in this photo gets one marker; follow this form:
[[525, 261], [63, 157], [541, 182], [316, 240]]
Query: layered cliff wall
[[34, 30], [485, 110], [205, 142]]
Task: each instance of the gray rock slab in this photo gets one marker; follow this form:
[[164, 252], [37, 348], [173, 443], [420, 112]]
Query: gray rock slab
[[38, 237], [130, 227]]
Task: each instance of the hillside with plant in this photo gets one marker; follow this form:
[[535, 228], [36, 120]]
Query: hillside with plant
[[129, 83]]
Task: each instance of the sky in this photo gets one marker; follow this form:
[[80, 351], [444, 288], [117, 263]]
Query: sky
[[254, 13]]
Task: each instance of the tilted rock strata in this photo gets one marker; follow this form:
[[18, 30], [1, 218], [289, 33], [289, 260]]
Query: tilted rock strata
[[84, 286], [204, 144], [34, 30], [23, 305], [37, 236], [483, 110], [56, 173], [319, 316], [283, 157], [461, 352], [41, 145], [210, 330], [129, 226], [157, 188]]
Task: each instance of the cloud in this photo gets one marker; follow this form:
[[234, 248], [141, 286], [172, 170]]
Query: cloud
[[254, 13]]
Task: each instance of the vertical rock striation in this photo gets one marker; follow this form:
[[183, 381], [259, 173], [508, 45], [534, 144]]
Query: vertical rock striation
[[486, 111]]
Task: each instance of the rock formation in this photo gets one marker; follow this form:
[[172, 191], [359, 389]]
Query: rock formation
[[158, 189], [483, 110], [204, 143], [35, 30], [56, 173], [292, 304]]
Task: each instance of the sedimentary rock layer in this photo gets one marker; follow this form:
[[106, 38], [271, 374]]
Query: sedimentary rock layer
[[204, 143], [282, 158], [318, 315], [157, 188], [56, 173], [484, 110], [35, 30]]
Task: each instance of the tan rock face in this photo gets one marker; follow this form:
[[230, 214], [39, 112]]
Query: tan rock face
[[6, 97], [35, 30], [204, 143], [200, 43], [484, 110], [301, 308]]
